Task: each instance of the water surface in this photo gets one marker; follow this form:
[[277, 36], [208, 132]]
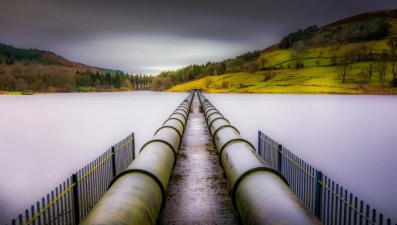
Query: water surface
[[351, 138], [45, 138]]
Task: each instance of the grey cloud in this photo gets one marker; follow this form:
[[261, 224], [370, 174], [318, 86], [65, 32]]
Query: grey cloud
[[76, 28]]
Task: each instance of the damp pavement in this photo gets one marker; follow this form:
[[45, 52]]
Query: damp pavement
[[197, 191]]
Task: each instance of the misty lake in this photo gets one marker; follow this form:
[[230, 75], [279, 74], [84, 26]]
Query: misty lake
[[44, 138]]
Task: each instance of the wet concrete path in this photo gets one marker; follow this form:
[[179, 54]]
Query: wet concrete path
[[197, 191]]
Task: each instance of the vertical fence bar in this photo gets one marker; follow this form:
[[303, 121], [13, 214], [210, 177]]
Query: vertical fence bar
[[114, 162], [259, 144], [27, 215], [58, 212], [350, 208], [49, 209], [318, 195], [133, 146], [70, 206], [332, 203], [44, 216], [340, 204], [355, 210], [76, 199], [91, 185], [361, 212], [374, 215], [345, 207], [64, 200], [53, 208], [367, 215], [279, 156], [62, 212], [326, 200], [81, 192], [32, 212]]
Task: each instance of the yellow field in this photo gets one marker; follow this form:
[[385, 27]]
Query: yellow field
[[305, 81], [317, 76]]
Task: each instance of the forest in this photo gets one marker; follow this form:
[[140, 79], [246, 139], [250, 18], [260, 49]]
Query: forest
[[43, 71]]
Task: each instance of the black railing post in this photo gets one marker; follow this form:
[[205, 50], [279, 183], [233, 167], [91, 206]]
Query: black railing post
[[76, 204], [318, 195], [133, 146], [114, 162], [259, 143], [279, 155]]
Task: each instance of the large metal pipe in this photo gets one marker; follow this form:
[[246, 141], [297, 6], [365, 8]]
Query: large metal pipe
[[260, 194], [137, 195]]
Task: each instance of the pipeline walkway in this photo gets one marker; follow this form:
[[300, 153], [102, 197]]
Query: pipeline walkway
[[197, 193], [197, 190]]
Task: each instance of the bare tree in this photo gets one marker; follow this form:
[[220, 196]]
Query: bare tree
[[126, 83], [333, 59], [262, 61], [298, 46], [392, 43], [235, 65], [370, 51], [225, 84], [21, 85], [156, 84], [207, 82], [167, 83], [345, 65], [251, 67], [299, 64], [369, 71], [381, 67], [317, 62], [210, 69]]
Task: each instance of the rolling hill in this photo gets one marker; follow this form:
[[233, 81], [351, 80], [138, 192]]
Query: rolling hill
[[311, 60], [33, 70]]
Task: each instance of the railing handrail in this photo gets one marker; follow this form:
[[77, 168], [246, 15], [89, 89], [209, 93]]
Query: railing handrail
[[67, 189], [339, 194]]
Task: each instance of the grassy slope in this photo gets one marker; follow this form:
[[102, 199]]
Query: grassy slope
[[57, 65], [305, 81], [311, 79]]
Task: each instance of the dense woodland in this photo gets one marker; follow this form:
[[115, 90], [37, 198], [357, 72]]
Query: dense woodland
[[39, 78], [373, 29], [42, 71], [243, 62]]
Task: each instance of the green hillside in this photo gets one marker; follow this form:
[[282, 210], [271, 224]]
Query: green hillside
[[351, 56], [25, 71]]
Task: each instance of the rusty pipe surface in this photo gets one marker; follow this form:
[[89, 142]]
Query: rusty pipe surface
[[137, 195], [260, 194]]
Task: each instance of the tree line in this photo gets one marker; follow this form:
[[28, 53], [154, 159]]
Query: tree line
[[380, 64], [40, 78], [10, 55], [373, 29], [243, 62]]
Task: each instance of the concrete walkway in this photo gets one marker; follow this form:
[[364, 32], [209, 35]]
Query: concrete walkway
[[197, 191]]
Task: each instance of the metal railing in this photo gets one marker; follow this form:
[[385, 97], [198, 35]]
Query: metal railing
[[329, 201], [72, 200]]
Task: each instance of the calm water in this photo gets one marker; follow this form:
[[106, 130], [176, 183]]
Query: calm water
[[45, 138]]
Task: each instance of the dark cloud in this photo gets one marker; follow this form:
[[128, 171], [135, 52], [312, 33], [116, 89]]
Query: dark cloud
[[147, 32]]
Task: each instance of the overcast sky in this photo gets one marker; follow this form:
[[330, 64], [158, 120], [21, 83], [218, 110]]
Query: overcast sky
[[144, 36]]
